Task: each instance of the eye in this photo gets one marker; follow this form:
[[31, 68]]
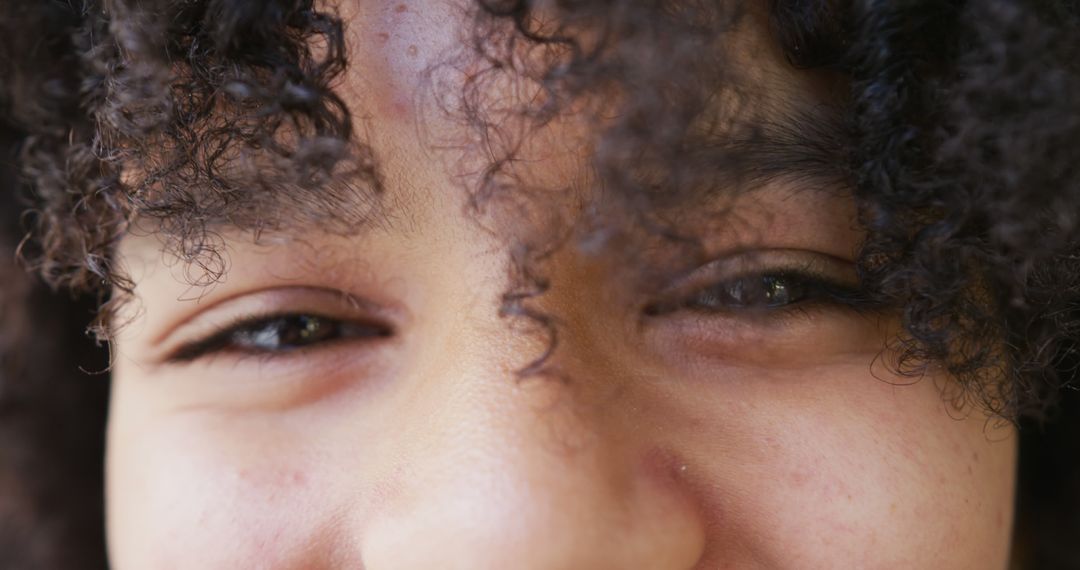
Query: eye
[[757, 288], [768, 308], [279, 334], [286, 333], [762, 291]]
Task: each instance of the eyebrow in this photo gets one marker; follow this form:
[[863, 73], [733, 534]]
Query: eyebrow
[[809, 147], [802, 146]]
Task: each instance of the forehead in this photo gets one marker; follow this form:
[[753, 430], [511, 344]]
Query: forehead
[[479, 100], [459, 109]]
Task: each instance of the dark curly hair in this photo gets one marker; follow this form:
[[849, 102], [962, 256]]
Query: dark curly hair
[[52, 414], [957, 137]]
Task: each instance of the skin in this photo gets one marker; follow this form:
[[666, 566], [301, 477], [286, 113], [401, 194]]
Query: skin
[[682, 440]]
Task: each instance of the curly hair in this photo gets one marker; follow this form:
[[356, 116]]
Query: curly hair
[[52, 415], [957, 139]]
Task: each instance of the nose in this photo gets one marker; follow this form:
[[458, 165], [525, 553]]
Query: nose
[[497, 472]]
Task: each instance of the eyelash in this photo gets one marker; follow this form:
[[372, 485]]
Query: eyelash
[[315, 331], [803, 288], [811, 289]]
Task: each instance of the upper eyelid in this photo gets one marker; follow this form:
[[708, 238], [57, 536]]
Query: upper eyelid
[[751, 262]]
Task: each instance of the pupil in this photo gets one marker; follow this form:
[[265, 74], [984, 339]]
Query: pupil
[[287, 332], [777, 291], [767, 291], [304, 330]]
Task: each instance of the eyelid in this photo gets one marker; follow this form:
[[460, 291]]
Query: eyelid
[[826, 269], [249, 308], [220, 341], [753, 262]]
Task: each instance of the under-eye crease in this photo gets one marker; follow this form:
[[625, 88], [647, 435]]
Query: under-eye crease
[[278, 334]]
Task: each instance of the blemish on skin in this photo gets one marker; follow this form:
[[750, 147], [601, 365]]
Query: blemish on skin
[[272, 478], [799, 479], [412, 51], [401, 8], [383, 37], [663, 466]]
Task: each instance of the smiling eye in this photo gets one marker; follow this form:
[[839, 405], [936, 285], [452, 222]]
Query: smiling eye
[[279, 334], [762, 291]]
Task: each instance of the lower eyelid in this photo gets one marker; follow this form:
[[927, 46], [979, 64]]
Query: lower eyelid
[[243, 382], [769, 338]]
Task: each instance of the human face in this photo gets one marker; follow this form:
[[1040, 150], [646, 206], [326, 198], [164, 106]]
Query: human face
[[674, 429]]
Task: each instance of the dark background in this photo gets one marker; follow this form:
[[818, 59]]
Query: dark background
[[52, 413]]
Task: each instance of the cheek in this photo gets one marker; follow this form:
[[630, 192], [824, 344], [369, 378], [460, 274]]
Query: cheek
[[184, 493], [843, 469]]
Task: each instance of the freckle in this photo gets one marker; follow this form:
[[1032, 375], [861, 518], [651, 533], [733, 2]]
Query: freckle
[[892, 508], [401, 8], [799, 478], [975, 456], [412, 51], [384, 37]]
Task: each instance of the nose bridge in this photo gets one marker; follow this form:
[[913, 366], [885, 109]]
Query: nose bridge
[[508, 472]]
